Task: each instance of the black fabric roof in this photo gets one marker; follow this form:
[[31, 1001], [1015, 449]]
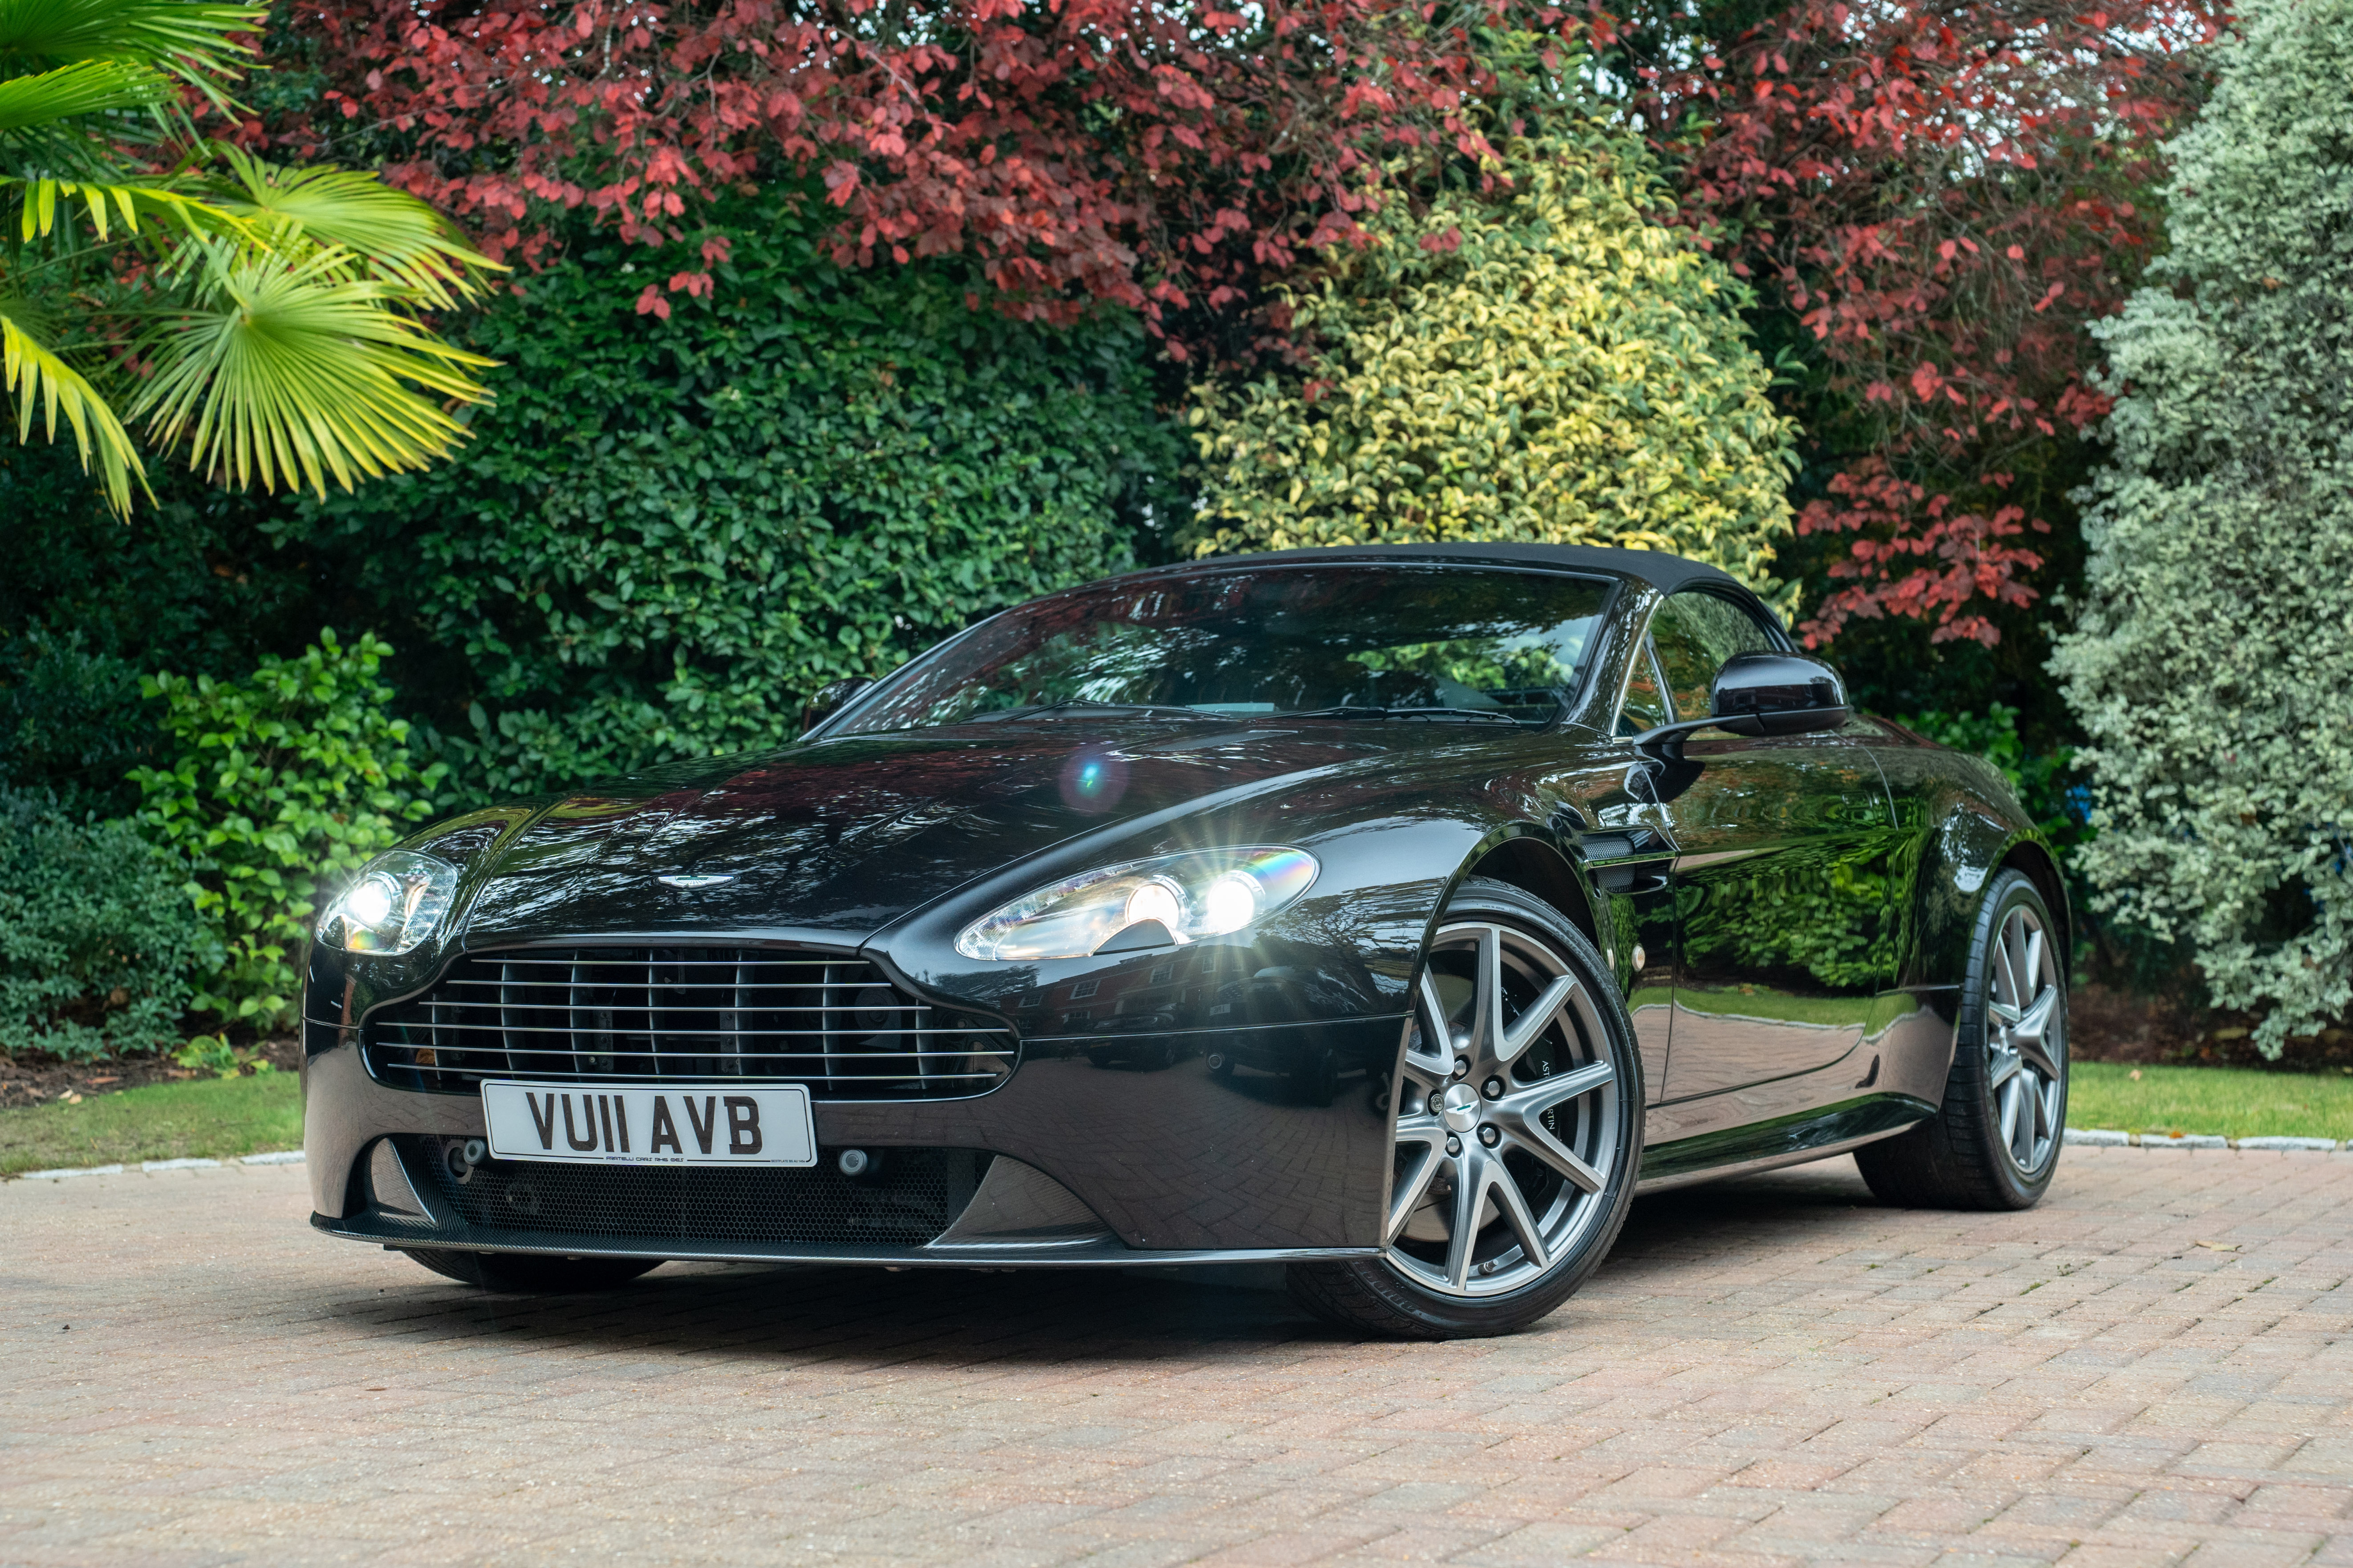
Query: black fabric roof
[[1664, 571]]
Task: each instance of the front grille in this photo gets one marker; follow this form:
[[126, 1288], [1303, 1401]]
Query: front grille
[[909, 1197], [764, 1014]]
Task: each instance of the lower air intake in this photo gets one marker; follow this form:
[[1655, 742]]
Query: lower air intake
[[908, 1200]]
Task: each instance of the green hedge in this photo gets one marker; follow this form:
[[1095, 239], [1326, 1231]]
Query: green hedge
[[280, 786], [99, 943], [91, 603], [667, 533]]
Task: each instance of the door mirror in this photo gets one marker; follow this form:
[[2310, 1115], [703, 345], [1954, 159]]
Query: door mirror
[[1759, 694], [1777, 694], [830, 700]]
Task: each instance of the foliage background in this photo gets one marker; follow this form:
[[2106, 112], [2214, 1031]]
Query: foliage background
[[90, 603], [670, 530], [1557, 366], [281, 786], [100, 945], [743, 446], [2213, 663]]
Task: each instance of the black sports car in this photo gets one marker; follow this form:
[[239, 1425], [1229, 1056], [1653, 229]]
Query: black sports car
[[1396, 914]]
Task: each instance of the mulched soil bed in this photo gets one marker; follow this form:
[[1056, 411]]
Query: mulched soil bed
[[2114, 1026], [36, 1080]]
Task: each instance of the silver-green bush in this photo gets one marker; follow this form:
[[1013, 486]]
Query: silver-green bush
[[2212, 665]]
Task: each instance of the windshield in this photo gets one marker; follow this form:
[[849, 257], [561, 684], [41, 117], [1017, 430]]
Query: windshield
[[1346, 642]]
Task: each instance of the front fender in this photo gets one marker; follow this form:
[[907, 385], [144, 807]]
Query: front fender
[[1961, 826]]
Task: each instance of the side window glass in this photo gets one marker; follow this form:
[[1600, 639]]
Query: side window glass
[[1645, 707], [1695, 633]]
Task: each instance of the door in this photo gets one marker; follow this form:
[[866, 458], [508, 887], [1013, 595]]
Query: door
[[1782, 846], [1621, 836]]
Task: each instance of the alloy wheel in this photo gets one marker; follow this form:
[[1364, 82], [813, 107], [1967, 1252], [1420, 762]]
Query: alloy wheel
[[2025, 1050], [1507, 1116]]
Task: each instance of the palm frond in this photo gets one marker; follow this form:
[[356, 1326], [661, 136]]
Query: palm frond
[[85, 87], [294, 370], [187, 40], [43, 201], [401, 238], [33, 372]]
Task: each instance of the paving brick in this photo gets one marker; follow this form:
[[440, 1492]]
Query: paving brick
[[1772, 1371]]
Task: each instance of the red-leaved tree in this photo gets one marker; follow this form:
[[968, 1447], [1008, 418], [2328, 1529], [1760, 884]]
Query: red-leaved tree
[[1163, 155], [1944, 195]]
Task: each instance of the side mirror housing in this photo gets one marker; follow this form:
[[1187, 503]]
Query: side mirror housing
[[1777, 694], [1759, 694], [830, 700]]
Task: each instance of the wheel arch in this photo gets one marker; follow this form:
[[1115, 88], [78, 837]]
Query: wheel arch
[[1523, 857], [2034, 858]]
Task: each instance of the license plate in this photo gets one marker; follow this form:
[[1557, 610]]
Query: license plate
[[643, 1125]]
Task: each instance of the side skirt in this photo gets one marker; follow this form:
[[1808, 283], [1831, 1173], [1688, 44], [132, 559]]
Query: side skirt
[[1785, 1140]]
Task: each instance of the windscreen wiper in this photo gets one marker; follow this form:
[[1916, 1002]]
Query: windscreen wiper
[[1361, 710], [1075, 704]]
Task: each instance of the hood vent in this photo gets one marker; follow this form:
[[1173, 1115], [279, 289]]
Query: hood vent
[[692, 1014]]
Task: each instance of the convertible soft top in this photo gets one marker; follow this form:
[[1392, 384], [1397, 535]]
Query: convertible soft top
[[1664, 571]]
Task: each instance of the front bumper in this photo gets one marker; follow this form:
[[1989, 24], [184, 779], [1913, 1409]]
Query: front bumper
[[1167, 1160]]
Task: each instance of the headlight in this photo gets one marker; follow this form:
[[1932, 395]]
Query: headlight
[[395, 903], [1206, 893]]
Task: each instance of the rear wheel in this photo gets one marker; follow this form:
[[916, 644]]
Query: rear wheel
[[529, 1272], [1518, 1130], [1995, 1143]]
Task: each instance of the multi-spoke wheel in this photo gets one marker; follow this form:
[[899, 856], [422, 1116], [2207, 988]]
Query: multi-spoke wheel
[[2023, 1014], [1996, 1141], [1517, 1107]]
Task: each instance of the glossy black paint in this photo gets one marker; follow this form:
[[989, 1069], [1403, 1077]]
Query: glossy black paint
[[1225, 1096], [1778, 694]]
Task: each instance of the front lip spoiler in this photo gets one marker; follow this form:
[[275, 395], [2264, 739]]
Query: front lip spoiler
[[1086, 1252]]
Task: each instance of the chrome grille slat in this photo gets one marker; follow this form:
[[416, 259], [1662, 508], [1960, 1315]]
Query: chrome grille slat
[[728, 990], [569, 955], [599, 1013], [722, 1033]]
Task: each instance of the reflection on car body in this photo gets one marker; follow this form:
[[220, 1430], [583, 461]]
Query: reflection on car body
[[1394, 913]]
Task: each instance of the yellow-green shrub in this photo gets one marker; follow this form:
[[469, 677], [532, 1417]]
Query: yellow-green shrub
[[1570, 372]]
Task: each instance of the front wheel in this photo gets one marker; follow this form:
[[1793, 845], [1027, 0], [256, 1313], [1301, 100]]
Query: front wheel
[[1518, 1132], [1995, 1143]]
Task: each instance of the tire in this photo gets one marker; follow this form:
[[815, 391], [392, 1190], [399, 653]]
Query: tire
[[531, 1273], [1995, 1143], [1566, 1132]]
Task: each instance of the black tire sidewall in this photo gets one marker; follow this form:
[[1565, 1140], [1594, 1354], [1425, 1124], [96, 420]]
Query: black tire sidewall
[[1981, 1118]]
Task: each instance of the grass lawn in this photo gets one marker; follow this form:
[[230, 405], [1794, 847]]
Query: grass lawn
[[2233, 1102], [220, 1118]]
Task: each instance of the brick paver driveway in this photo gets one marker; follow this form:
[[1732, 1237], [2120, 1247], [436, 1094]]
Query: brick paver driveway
[[2156, 1365]]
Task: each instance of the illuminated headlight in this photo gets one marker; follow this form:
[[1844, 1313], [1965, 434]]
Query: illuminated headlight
[[1206, 893], [393, 906]]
